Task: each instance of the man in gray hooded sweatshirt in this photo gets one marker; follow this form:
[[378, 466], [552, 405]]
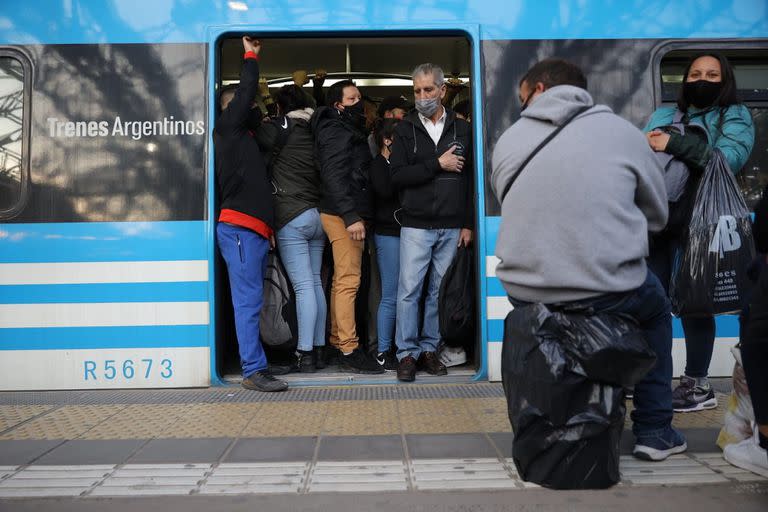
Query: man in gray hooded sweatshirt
[[575, 225]]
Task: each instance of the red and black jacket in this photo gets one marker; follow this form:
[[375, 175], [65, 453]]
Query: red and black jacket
[[245, 194]]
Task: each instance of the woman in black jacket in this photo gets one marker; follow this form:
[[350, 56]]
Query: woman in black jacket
[[289, 146], [387, 237]]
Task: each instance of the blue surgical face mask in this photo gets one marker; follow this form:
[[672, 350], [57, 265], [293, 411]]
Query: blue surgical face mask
[[428, 107]]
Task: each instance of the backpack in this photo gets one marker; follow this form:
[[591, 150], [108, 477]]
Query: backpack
[[680, 183], [456, 301], [277, 321]]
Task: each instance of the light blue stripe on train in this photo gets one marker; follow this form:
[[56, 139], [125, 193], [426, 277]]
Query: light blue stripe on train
[[727, 325], [103, 241]]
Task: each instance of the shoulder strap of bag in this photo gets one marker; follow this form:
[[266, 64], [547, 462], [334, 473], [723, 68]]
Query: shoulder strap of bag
[[539, 148]]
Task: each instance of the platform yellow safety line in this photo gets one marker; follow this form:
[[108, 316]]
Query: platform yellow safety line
[[278, 419]]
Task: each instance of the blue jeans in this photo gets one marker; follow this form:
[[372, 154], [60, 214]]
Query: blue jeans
[[421, 251], [388, 258], [301, 244], [699, 331], [650, 306], [245, 253]]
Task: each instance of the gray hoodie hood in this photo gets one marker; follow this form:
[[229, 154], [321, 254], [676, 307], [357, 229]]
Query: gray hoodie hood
[[557, 104]]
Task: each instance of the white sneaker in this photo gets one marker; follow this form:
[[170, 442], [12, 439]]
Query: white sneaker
[[748, 455], [452, 356]]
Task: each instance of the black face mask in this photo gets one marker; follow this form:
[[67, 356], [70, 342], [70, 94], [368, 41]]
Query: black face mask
[[356, 114], [527, 101], [702, 93]]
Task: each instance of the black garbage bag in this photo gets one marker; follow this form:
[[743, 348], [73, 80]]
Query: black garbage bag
[[456, 301], [567, 424], [709, 276]]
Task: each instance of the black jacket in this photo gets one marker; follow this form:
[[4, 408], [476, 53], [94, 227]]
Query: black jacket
[[430, 197], [295, 178], [760, 227], [241, 175], [385, 199], [344, 158]]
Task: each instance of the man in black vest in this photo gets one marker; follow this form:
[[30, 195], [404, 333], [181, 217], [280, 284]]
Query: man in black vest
[[431, 165]]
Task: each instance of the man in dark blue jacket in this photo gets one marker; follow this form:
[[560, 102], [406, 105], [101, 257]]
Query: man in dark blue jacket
[[244, 231], [431, 165]]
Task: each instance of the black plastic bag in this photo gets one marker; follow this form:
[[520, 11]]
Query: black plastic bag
[[278, 323], [709, 276], [456, 301], [567, 423]]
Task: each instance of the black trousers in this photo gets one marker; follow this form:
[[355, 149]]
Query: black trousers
[[754, 348]]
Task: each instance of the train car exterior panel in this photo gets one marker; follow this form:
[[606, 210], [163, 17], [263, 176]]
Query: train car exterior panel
[[107, 274]]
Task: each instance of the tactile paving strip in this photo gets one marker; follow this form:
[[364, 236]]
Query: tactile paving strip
[[66, 422], [285, 477], [436, 417], [12, 415], [308, 477], [239, 395]]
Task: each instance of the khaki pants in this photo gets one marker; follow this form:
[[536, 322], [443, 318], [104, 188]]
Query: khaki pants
[[347, 259]]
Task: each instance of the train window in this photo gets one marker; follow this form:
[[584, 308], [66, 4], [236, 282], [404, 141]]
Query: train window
[[751, 69], [12, 176]]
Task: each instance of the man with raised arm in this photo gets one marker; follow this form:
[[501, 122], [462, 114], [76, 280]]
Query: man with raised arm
[[244, 229]]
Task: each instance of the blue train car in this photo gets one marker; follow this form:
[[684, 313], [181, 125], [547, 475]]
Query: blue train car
[[108, 269]]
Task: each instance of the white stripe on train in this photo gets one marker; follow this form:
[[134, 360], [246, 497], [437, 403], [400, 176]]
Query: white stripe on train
[[103, 272], [106, 314]]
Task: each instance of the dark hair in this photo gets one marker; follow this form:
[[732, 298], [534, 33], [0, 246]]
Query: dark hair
[[728, 94], [383, 129], [336, 91], [463, 108], [231, 88], [290, 97], [552, 72]]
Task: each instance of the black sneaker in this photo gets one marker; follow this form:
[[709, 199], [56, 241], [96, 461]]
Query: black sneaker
[[264, 381], [688, 397], [305, 361], [359, 362], [406, 370], [387, 360], [282, 368], [320, 357]]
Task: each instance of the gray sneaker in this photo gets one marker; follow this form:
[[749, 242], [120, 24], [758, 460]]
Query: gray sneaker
[[688, 397], [264, 381]]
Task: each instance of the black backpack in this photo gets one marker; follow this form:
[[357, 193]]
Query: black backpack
[[278, 323], [456, 302]]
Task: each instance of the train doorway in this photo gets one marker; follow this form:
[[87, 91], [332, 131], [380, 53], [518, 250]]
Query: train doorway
[[381, 68]]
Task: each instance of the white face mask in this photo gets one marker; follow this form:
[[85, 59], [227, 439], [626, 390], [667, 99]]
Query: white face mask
[[428, 107]]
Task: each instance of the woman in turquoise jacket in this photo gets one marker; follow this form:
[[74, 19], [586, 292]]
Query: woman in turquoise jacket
[[708, 99]]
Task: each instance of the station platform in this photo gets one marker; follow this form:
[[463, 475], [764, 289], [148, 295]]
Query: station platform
[[338, 439]]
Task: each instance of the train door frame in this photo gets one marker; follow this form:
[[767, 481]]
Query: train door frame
[[472, 33], [727, 333]]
